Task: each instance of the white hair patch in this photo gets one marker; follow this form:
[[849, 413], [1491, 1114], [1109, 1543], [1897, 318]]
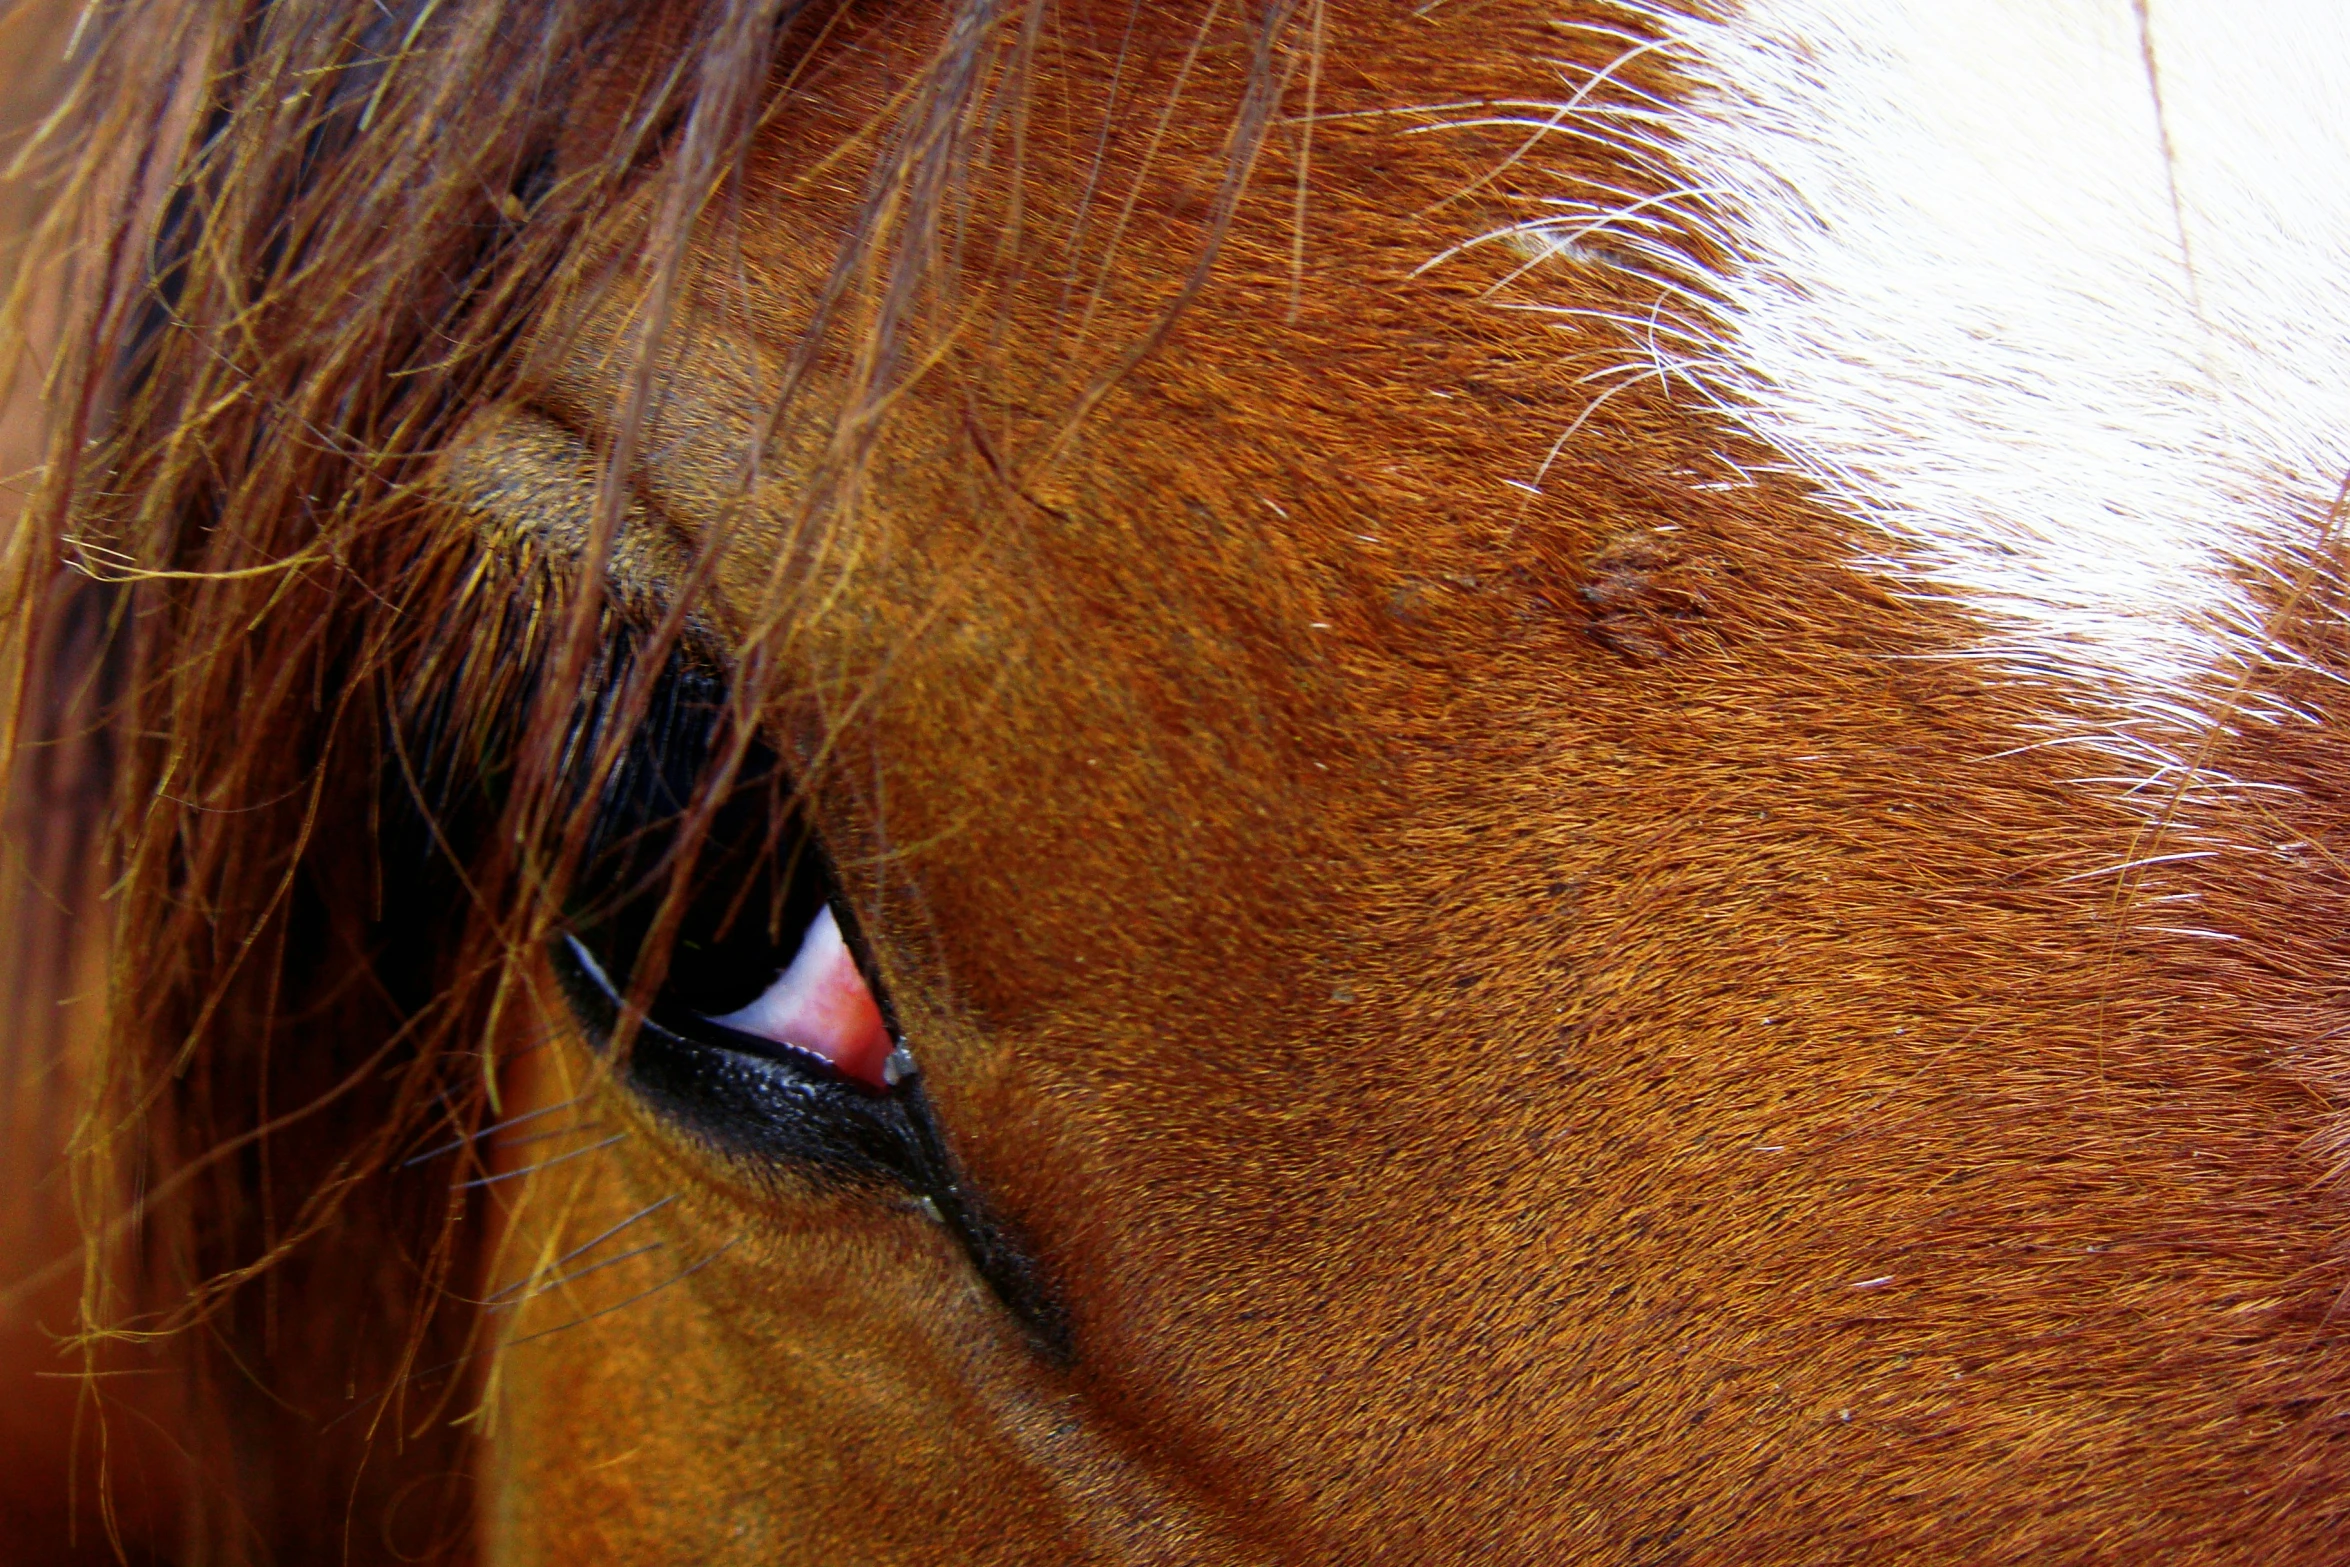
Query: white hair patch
[[2056, 293]]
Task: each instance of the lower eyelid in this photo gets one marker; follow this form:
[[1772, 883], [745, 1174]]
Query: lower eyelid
[[822, 1005], [751, 1103]]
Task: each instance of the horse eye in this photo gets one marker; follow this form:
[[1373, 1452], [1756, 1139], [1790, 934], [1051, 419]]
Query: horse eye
[[750, 1097], [769, 1040], [766, 1037], [759, 955]]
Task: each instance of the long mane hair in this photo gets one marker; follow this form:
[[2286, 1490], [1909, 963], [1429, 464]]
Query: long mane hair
[[333, 753]]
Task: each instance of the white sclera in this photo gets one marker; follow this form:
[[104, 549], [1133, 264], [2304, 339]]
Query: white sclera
[[821, 1005]]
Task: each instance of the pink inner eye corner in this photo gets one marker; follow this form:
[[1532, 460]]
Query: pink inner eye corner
[[822, 1005]]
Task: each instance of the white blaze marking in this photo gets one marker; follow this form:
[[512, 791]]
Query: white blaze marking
[[1964, 305]]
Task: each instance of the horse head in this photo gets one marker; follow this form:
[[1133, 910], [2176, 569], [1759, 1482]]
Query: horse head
[[1316, 782]]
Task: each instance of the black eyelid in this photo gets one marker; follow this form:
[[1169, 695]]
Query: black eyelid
[[805, 1111]]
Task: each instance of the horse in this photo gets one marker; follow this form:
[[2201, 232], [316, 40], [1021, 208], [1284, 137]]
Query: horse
[[1255, 781]]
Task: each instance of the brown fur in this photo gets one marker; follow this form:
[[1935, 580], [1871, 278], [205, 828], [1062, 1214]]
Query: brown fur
[[1521, 1027]]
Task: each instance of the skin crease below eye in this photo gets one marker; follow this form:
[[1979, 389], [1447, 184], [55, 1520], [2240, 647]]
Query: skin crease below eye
[[821, 1005]]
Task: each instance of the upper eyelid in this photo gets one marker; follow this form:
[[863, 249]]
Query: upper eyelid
[[530, 489]]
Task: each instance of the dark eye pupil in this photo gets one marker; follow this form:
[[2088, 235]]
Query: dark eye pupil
[[754, 878], [754, 885]]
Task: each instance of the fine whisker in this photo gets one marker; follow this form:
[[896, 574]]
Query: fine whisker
[[584, 1247], [545, 1137], [487, 1131], [533, 1169], [550, 1285], [675, 1278]]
